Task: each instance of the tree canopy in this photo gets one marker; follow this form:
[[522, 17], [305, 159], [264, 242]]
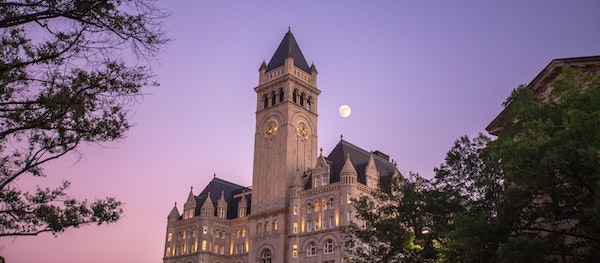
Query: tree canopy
[[530, 195], [65, 81]]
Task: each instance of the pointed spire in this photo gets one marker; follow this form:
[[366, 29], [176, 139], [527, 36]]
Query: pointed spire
[[348, 168], [288, 47], [174, 214], [263, 66]]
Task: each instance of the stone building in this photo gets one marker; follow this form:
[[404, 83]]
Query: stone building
[[299, 199]]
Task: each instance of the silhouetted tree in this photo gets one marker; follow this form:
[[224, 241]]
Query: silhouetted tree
[[64, 82]]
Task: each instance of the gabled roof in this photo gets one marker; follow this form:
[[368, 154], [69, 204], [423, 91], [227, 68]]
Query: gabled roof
[[359, 158], [229, 189], [288, 45], [542, 83]]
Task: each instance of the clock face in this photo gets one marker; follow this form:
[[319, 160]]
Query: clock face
[[271, 127], [302, 129]]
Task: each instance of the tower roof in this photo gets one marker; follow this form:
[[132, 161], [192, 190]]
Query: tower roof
[[288, 47]]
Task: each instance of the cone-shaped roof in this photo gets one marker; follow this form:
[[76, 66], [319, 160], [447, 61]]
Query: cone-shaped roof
[[288, 47]]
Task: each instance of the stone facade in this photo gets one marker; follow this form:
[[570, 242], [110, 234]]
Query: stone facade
[[299, 200]]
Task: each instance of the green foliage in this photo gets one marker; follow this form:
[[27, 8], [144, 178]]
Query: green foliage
[[550, 150], [64, 82], [389, 224]]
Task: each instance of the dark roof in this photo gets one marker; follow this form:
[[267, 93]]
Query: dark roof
[[359, 158], [288, 44], [229, 189]]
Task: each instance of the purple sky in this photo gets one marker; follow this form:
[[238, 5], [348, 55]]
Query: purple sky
[[417, 76]]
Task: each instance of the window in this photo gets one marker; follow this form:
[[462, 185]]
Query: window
[[281, 95], [275, 225], [324, 204], [218, 234], [308, 208], [317, 180], [330, 221], [317, 206], [241, 212], [239, 234], [308, 102], [330, 203], [267, 227], [259, 228], [223, 234], [294, 95], [204, 229], [302, 99], [295, 228], [311, 250], [265, 101], [221, 212], [204, 245], [349, 198], [328, 248], [266, 256], [169, 236], [295, 209], [294, 251], [244, 232], [273, 98], [168, 251], [349, 217]]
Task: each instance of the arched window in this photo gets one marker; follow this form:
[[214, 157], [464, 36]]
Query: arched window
[[273, 98], [308, 208], [258, 228], [324, 204], [302, 99], [328, 248], [244, 232], [265, 101], [265, 256], [275, 225], [239, 234], [295, 95], [267, 227], [281, 95], [311, 250], [317, 206], [294, 251], [308, 102], [223, 234], [330, 203]]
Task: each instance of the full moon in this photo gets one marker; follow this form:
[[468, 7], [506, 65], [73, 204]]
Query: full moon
[[345, 111]]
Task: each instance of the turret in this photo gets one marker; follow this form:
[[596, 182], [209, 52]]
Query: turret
[[174, 215], [208, 209], [189, 207], [222, 206], [348, 174]]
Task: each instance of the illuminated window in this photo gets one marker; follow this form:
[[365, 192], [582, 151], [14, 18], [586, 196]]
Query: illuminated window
[[169, 236], [295, 209], [221, 212], [244, 232], [295, 251], [311, 250], [239, 233], [168, 251], [204, 229], [267, 227], [328, 248], [349, 198], [295, 228], [241, 212], [203, 245], [275, 225], [317, 206], [324, 204], [216, 249]]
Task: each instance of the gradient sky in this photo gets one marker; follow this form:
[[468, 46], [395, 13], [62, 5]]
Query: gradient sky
[[417, 74]]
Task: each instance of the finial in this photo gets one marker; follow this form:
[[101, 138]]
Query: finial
[[341, 136], [215, 175], [175, 203], [321, 150], [289, 29]]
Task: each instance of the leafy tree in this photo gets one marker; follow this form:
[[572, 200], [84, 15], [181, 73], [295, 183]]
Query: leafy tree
[[389, 224], [550, 152], [64, 83], [466, 197]]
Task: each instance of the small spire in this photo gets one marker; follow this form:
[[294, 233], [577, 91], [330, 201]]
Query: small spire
[[341, 137], [289, 29], [215, 175], [321, 151]]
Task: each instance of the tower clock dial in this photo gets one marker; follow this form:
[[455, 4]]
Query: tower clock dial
[[302, 129], [271, 128]]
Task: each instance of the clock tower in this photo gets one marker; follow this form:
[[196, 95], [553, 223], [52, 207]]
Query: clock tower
[[285, 142]]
